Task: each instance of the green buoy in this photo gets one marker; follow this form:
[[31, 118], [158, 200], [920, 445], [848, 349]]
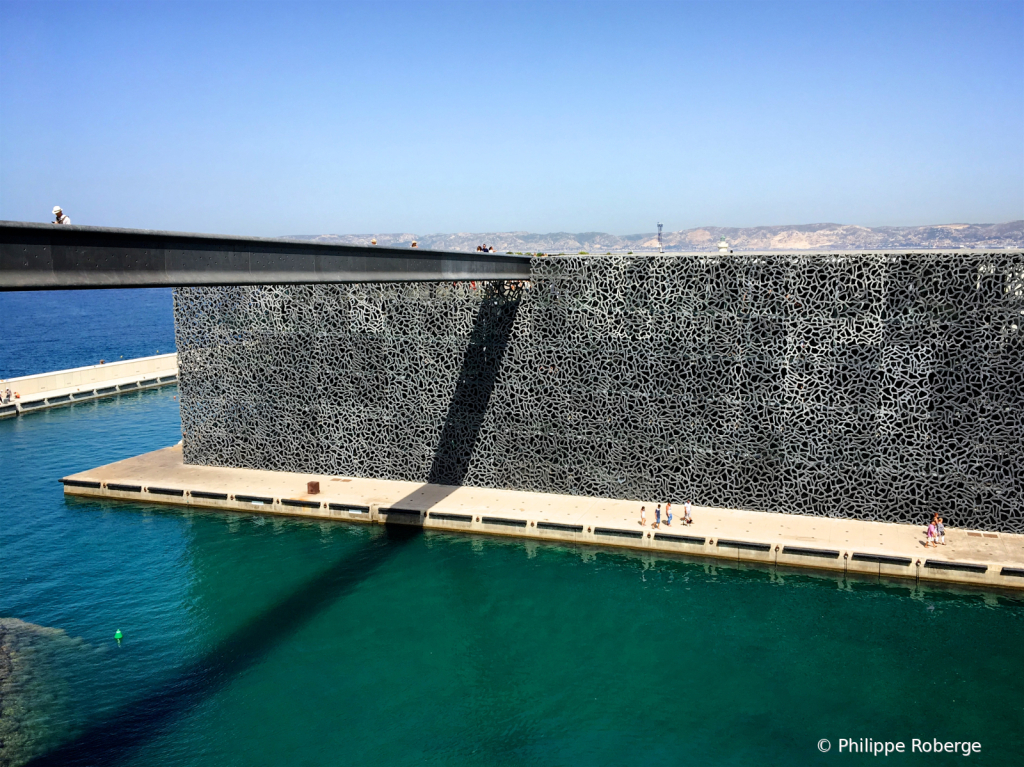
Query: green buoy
[[118, 635]]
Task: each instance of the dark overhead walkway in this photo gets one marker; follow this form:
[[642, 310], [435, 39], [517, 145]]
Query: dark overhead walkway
[[47, 256]]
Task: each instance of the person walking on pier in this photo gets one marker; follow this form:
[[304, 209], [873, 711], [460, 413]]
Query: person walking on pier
[[643, 515], [668, 514], [657, 516], [687, 519], [58, 214]]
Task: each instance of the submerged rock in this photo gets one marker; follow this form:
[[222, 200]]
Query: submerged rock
[[33, 704]]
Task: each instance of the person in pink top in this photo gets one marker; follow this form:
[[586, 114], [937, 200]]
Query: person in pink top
[[931, 535]]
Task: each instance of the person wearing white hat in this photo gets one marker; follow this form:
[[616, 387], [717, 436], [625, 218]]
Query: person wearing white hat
[[59, 215]]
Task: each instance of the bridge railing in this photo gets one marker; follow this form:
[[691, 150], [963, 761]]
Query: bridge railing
[[47, 256]]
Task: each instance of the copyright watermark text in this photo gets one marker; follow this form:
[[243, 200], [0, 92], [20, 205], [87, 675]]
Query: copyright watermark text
[[886, 747]]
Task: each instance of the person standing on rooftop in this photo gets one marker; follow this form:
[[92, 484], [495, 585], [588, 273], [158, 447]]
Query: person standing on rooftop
[[59, 216]]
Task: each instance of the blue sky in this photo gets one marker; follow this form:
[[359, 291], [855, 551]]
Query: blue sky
[[294, 117]]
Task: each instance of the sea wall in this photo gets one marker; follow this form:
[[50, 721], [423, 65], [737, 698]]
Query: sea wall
[[875, 386], [65, 387]]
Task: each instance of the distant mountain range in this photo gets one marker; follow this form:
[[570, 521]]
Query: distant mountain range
[[802, 237]]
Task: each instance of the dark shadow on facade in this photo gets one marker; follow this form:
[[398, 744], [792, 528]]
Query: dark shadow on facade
[[481, 364]]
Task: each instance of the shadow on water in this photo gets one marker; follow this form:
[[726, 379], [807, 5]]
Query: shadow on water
[[127, 729]]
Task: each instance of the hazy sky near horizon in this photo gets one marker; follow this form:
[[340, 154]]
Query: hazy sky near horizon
[[273, 118]]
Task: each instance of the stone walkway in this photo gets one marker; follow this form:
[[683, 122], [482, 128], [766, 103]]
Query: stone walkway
[[875, 548]]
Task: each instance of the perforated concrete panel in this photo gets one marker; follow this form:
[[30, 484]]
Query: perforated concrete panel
[[874, 386]]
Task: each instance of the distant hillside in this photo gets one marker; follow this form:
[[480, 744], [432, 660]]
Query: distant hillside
[[804, 237]]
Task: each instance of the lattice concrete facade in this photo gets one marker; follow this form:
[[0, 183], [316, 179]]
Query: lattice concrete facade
[[877, 386]]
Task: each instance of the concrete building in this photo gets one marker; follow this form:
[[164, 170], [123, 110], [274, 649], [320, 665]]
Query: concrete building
[[880, 386]]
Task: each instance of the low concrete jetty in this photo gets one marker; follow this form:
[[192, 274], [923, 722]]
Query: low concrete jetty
[[850, 546], [66, 387]]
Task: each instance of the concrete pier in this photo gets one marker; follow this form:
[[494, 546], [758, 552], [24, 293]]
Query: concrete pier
[[849, 546], [65, 387]]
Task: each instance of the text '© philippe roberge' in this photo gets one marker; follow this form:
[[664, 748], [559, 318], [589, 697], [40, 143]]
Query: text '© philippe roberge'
[[917, 746]]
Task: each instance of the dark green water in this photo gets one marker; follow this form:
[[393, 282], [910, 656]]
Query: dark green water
[[255, 641]]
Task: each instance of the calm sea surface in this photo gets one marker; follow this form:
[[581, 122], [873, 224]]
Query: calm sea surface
[[44, 330], [251, 640]]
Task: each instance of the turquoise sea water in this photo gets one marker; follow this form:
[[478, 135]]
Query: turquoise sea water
[[252, 640]]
